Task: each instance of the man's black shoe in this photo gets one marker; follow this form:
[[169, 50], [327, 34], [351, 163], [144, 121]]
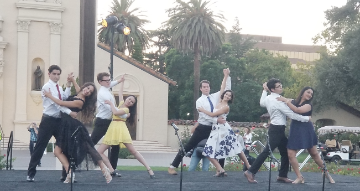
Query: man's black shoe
[[115, 174], [30, 179]]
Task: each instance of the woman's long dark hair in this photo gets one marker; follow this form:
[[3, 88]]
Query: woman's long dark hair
[[298, 99], [232, 95], [132, 111], [89, 107]]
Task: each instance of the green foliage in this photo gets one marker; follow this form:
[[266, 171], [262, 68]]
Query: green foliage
[[124, 153], [130, 18], [340, 21], [49, 147], [179, 68], [337, 75], [185, 136], [160, 40], [3, 161], [72, 89], [261, 65], [303, 76], [333, 169], [137, 52], [194, 28], [239, 44]]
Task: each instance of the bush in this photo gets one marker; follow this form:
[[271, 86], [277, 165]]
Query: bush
[[49, 147], [124, 153], [185, 136], [3, 161]]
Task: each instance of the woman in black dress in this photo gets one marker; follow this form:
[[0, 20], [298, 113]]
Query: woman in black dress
[[75, 141], [302, 134]]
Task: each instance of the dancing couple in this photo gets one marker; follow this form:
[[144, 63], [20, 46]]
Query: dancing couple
[[222, 141], [301, 127]]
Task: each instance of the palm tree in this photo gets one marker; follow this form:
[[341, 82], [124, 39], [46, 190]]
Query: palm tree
[[195, 28], [129, 18]]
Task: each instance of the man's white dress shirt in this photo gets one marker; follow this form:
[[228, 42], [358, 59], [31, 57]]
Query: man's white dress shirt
[[204, 103], [50, 107], [103, 109], [278, 110]]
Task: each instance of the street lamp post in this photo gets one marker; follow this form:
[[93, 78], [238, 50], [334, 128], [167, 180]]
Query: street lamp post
[[114, 24]]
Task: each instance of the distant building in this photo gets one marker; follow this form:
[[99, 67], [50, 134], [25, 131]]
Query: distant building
[[305, 54]]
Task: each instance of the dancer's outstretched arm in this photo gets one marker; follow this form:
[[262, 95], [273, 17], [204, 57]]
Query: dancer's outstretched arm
[[75, 103]]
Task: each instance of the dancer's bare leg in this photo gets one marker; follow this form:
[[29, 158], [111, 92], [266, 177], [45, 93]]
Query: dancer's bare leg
[[138, 156], [102, 148], [216, 164], [244, 159], [62, 158], [316, 157], [294, 162]]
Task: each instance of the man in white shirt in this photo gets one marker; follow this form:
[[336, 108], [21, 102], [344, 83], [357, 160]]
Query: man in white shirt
[[50, 121], [207, 101], [104, 116], [278, 111]]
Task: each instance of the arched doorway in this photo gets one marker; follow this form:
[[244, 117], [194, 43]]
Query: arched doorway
[[132, 86]]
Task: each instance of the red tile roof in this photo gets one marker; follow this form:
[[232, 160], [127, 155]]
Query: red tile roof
[[138, 64]]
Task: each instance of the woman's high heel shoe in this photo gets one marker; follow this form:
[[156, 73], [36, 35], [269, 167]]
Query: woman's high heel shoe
[[299, 180], [107, 175], [68, 178], [152, 176], [331, 180]]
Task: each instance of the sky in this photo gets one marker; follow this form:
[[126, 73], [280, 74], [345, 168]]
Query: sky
[[297, 22]]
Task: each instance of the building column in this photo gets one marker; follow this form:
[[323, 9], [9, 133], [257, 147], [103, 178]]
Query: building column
[[22, 70], [55, 51], [2, 64]]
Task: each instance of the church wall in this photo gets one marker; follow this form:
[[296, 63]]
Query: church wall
[[8, 13], [152, 96], [53, 38]]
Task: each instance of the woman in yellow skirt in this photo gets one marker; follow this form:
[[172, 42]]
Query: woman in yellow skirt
[[118, 132]]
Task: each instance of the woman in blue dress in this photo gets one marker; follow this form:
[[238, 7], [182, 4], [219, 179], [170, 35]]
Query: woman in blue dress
[[302, 134]]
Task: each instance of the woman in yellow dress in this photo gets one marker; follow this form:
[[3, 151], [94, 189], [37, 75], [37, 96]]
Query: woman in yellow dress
[[118, 132]]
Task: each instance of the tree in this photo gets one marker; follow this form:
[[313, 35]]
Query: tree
[[303, 76], [262, 65], [130, 18], [337, 78], [194, 28], [178, 68], [137, 52], [239, 44], [160, 40], [340, 21]]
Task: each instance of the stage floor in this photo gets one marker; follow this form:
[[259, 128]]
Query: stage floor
[[140, 181]]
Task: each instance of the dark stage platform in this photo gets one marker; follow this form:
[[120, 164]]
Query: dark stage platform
[[139, 180]]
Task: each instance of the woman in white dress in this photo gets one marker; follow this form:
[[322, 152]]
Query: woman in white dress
[[222, 142]]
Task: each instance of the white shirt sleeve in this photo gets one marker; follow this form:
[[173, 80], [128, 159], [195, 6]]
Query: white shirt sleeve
[[228, 83], [66, 93], [64, 109], [113, 83], [263, 98], [101, 101], [288, 112]]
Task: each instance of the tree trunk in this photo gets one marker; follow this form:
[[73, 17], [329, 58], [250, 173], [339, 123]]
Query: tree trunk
[[196, 79]]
